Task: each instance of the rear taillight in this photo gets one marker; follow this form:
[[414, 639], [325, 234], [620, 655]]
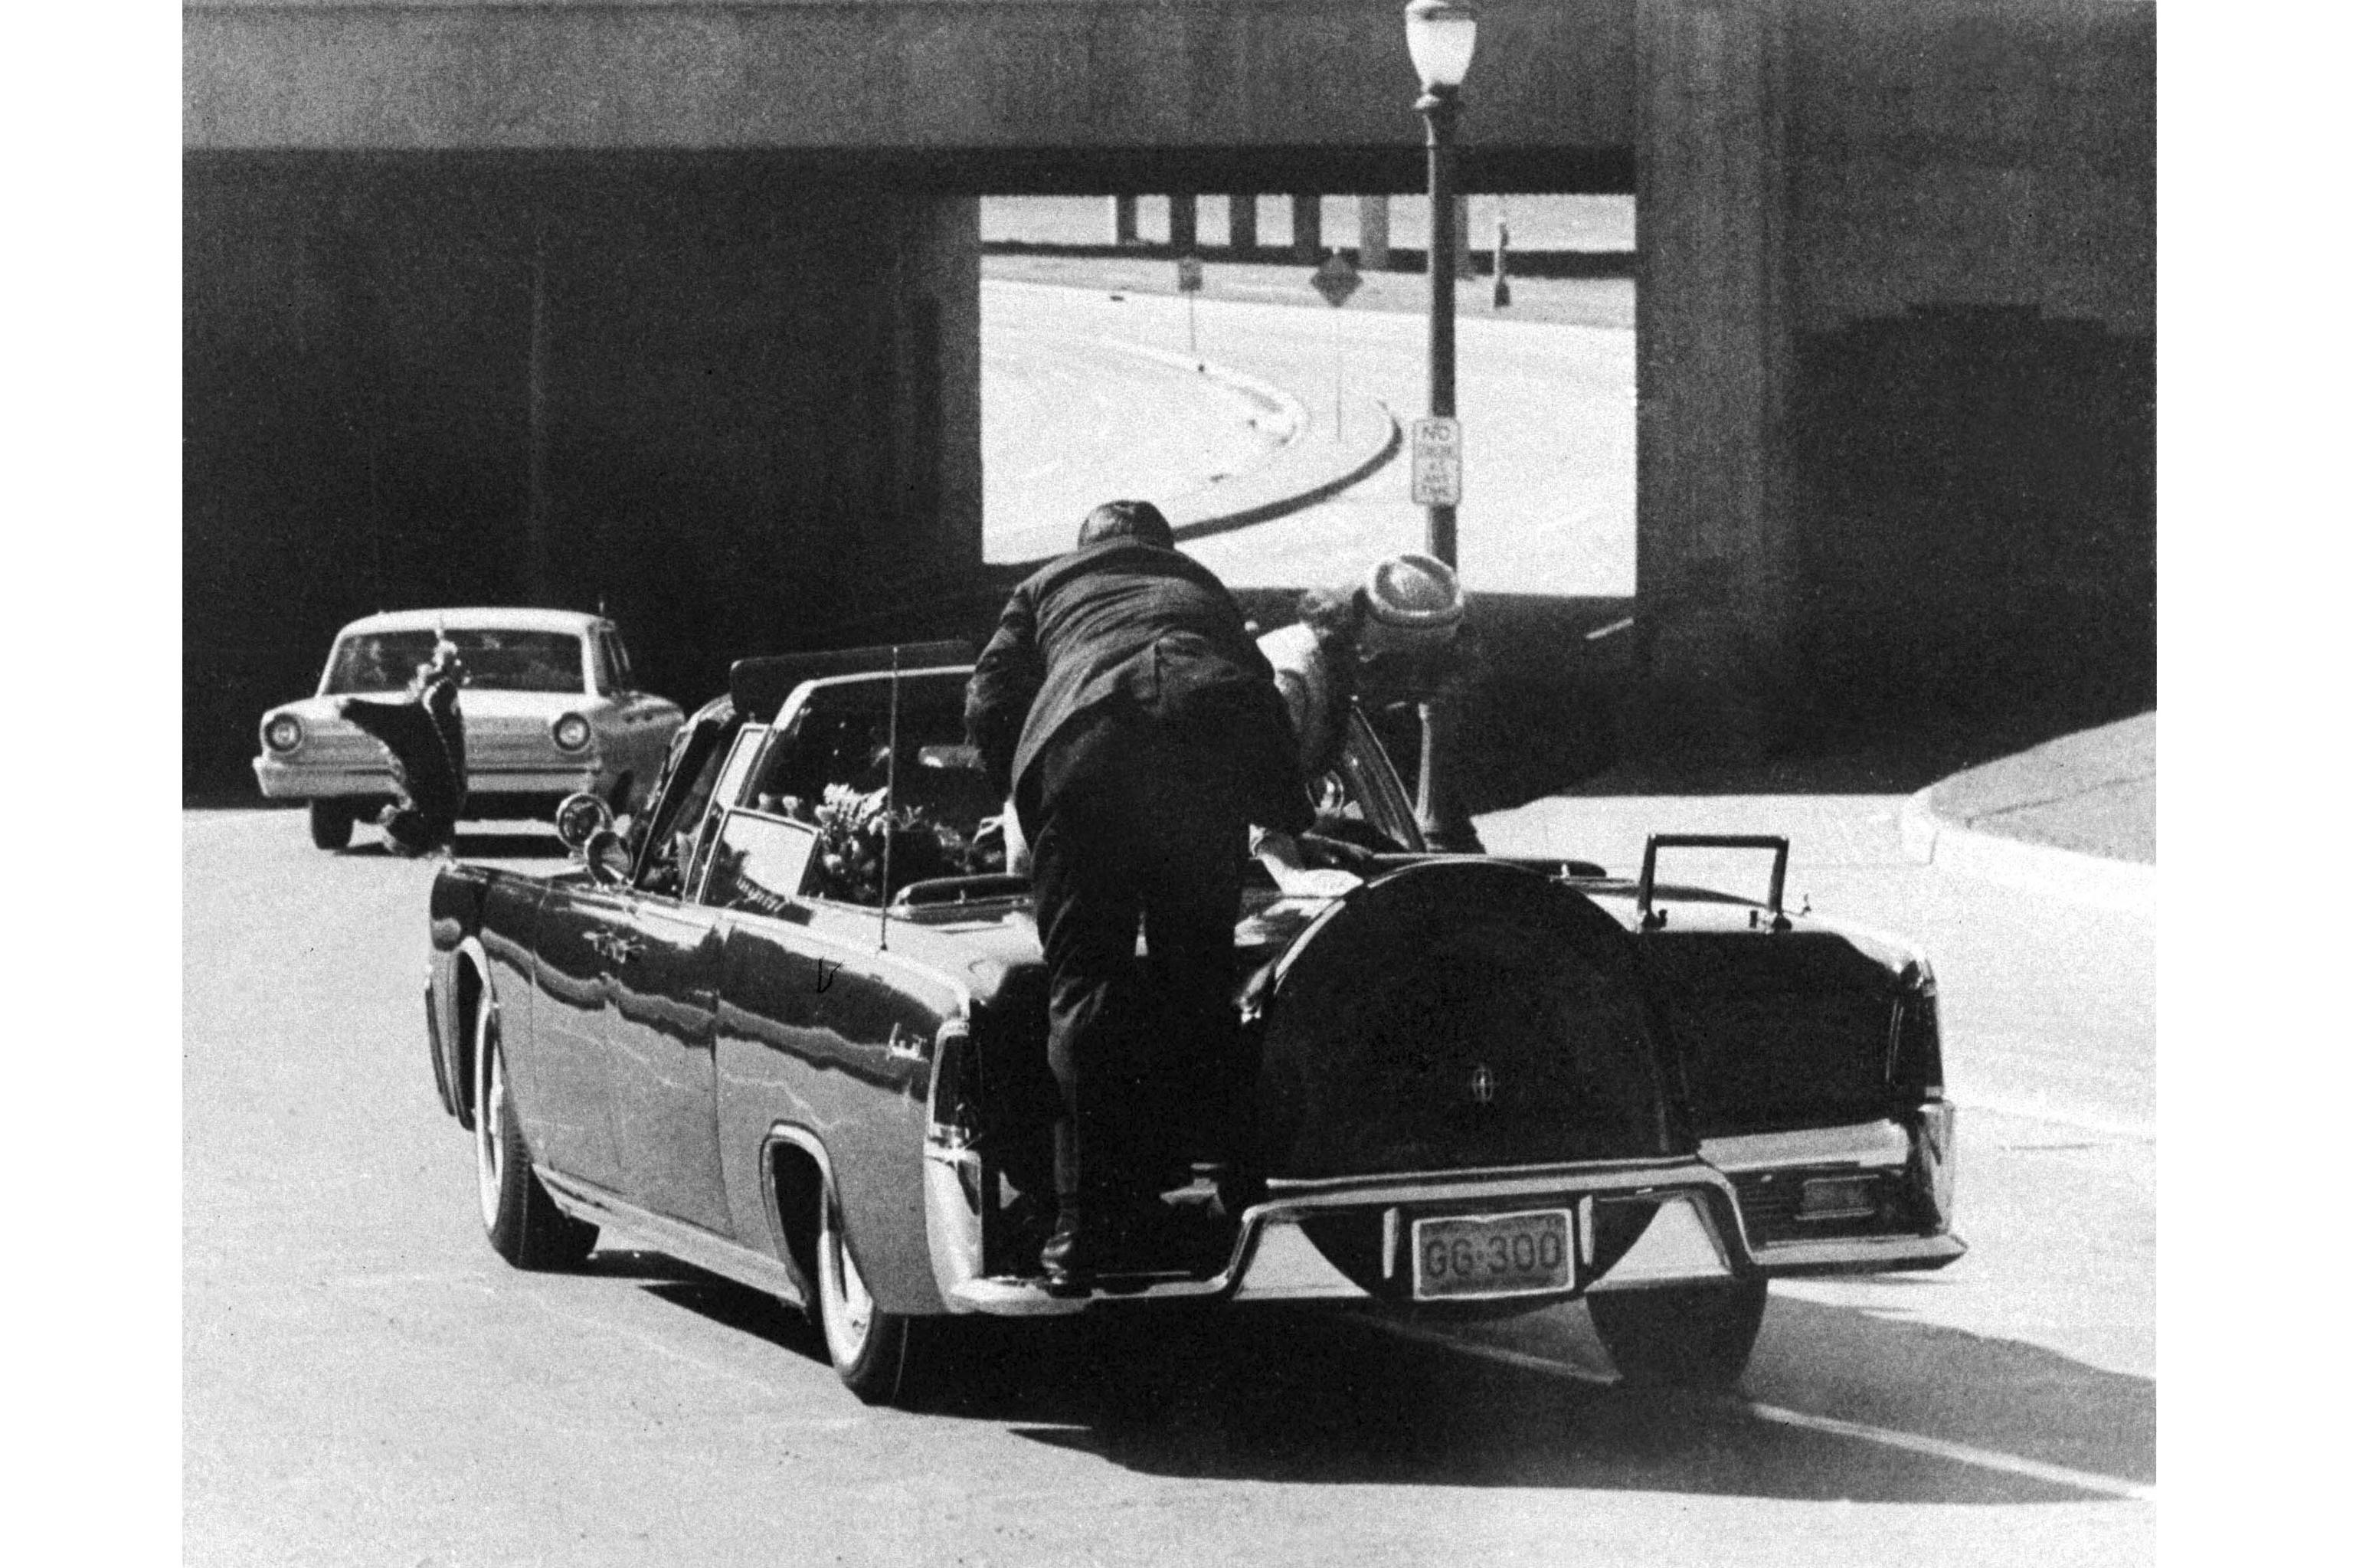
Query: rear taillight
[[1915, 1067], [954, 1119]]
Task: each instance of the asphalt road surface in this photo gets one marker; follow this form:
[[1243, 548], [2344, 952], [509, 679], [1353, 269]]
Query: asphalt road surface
[[1076, 415], [366, 1382], [1075, 418]]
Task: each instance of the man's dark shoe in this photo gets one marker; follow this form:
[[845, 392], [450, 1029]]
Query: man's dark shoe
[[1137, 1237], [1072, 1255]]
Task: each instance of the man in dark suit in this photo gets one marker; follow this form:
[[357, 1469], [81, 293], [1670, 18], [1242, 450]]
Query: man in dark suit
[[1124, 707], [426, 740]]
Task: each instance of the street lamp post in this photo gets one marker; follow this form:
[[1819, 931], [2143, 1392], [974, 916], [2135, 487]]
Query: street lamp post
[[1440, 36]]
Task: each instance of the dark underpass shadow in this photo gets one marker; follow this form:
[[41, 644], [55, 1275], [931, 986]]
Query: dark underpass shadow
[[1328, 1397]]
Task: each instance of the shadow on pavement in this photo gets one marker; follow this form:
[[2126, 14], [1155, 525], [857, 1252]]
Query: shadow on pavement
[[722, 1301], [1315, 1397]]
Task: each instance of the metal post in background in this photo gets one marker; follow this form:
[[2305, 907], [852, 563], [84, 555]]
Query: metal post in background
[[1440, 34], [1441, 109]]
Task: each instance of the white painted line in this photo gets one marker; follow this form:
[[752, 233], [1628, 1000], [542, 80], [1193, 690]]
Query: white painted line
[[1936, 1447], [1959, 1453], [1521, 1358], [2038, 1110]]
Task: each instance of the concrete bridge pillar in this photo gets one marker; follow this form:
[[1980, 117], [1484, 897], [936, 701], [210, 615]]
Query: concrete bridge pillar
[[1373, 233], [1123, 220], [1184, 222], [1713, 555], [1307, 228], [1241, 223]]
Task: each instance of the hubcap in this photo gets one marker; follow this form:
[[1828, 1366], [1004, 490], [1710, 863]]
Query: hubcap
[[489, 1122], [849, 1309]]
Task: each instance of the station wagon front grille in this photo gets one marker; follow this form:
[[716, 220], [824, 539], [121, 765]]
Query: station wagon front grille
[[338, 746], [512, 743]]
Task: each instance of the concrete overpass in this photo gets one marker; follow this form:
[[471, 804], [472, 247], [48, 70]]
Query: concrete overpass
[[673, 304]]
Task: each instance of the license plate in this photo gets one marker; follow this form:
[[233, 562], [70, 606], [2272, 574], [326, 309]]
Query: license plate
[[1465, 1255]]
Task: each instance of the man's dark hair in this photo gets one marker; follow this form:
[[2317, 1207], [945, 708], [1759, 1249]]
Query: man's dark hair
[[1137, 520]]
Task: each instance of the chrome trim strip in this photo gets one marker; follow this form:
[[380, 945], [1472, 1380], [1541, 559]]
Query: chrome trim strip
[[1624, 1178], [689, 1242], [1870, 1143], [1678, 1246], [1286, 1266], [951, 1229], [1860, 1254]]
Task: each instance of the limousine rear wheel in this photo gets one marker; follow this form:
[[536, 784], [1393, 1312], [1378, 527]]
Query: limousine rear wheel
[[882, 1357], [1680, 1336], [523, 1223]]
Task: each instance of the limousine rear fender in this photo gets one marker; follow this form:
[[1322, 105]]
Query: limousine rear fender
[[463, 992], [796, 1173], [454, 919]]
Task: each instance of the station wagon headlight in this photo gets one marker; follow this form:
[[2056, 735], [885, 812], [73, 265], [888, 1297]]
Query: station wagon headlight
[[571, 733], [284, 733]]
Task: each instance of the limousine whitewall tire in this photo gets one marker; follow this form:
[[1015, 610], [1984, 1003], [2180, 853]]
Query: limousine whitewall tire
[[523, 1223], [881, 1357]]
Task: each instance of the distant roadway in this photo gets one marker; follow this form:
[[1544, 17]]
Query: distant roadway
[[1072, 416]]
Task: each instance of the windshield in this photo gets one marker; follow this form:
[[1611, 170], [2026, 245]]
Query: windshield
[[496, 660]]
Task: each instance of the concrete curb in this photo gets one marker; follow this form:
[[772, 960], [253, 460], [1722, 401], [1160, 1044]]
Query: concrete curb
[[1291, 490], [1300, 500], [2087, 879]]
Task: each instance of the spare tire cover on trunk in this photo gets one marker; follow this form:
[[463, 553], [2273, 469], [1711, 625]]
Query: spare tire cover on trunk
[[1453, 1015]]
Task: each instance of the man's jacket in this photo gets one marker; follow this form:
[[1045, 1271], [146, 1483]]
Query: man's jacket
[[426, 738], [1123, 624]]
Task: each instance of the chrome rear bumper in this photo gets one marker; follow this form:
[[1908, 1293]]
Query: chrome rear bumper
[[1695, 1231]]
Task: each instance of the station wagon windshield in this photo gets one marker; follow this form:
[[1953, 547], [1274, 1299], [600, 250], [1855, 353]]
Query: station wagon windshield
[[496, 661]]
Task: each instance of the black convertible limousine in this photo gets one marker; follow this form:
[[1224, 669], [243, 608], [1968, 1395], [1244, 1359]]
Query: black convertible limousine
[[790, 1028]]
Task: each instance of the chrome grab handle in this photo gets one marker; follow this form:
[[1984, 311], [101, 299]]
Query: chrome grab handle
[[1650, 920], [616, 947]]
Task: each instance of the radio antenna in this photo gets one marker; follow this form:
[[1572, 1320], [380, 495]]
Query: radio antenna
[[889, 797]]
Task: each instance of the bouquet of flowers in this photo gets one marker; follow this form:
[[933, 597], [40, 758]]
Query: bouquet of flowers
[[853, 829]]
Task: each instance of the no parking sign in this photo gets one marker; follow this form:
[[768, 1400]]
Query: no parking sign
[[1437, 461]]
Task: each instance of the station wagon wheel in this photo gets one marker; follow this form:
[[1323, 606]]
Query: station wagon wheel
[[1680, 1336], [523, 1223], [330, 824], [882, 1357]]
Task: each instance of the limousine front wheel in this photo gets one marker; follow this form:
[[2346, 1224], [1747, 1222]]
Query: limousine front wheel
[[882, 1357], [523, 1223]]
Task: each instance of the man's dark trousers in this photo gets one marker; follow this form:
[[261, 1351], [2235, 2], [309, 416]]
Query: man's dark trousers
[[1135, 827]]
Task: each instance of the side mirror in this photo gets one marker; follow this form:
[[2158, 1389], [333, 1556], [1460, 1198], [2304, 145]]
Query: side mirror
[[608, 857], [579, 819]]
